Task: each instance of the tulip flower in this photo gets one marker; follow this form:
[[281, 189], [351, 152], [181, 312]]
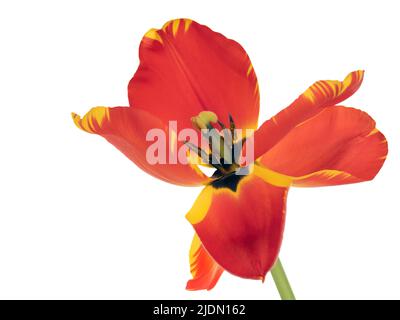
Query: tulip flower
[[198, 78]]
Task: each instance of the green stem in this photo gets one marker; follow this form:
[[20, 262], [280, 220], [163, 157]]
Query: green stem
[[282, 282]]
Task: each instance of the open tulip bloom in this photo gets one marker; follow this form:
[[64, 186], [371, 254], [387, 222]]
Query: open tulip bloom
[[194, 101]]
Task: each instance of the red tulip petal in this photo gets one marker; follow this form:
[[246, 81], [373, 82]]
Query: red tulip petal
[[242, 230], [320, 95], [126, 129], [186, 68], [338, 146], [205, 271]]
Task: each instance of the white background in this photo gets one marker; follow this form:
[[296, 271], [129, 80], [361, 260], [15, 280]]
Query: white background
[[79, 220]]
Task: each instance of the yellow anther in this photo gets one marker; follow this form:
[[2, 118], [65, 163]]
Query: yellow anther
[[204, 119]]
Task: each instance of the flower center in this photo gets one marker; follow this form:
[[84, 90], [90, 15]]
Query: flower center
[[223, 144]]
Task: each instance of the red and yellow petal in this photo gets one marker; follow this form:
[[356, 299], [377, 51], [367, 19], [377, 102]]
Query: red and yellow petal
[[205, 271], [241, 229], [126, 128], [338, 146], [317, 97], [186, 68]]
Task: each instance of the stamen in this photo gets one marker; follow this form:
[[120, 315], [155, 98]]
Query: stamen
[[221, 125], [207, 158], [232, 127], [237, 149], [201, 153]]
